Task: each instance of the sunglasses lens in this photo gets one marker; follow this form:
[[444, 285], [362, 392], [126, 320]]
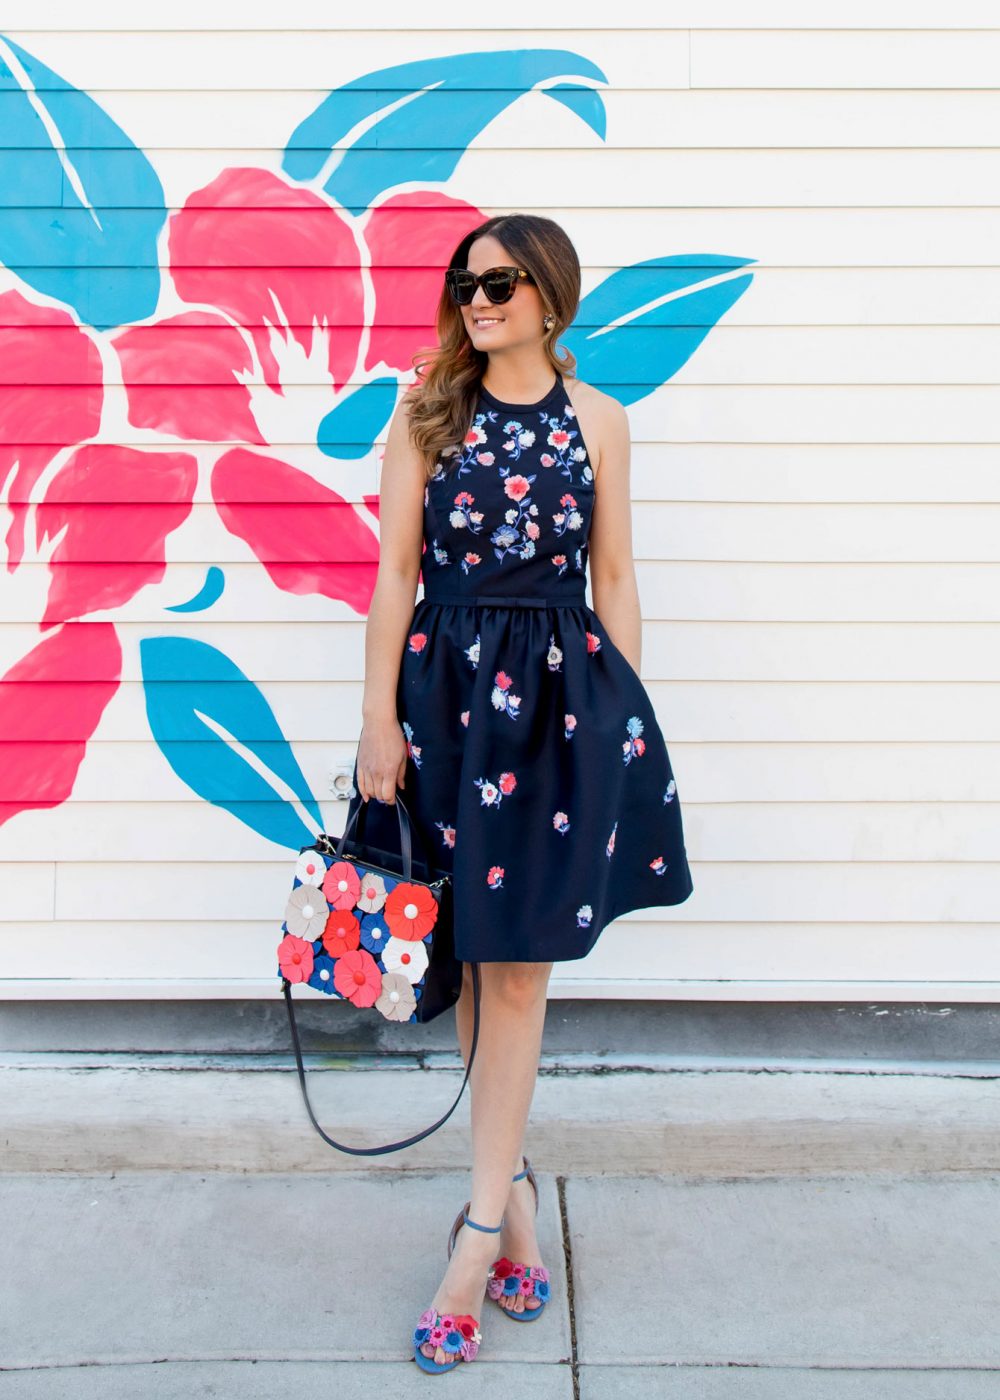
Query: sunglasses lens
[[499, 286], [461, 285]]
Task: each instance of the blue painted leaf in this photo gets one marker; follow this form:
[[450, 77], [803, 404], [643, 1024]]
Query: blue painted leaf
[[75, 195], [349, 430], [208, 594], [645, 348], [449, 100], [191, 688]]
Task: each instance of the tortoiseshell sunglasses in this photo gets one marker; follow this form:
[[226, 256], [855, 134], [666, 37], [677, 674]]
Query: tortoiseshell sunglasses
[[497, 282]]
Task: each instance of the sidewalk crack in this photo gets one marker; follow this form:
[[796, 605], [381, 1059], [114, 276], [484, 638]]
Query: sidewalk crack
[[570, 1296]]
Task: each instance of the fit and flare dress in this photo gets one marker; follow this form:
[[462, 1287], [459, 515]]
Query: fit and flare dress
[[536, 772]]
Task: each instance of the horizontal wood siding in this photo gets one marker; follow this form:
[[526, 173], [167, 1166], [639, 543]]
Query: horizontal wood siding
[[815, 491]]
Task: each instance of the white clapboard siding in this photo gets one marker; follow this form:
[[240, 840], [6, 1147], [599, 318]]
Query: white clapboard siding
[[816, 510], [792, 355]]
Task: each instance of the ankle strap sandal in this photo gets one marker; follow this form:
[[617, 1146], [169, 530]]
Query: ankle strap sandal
[[507, 1276], [456, 1333]]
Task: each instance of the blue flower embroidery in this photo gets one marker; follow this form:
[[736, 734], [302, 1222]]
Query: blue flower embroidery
[[633, 747]]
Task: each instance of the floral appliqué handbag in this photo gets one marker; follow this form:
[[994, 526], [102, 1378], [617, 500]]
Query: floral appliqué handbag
[[362, 926]]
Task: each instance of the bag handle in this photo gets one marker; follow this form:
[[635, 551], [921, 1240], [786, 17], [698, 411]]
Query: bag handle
[[389, 1146], [405, 833]]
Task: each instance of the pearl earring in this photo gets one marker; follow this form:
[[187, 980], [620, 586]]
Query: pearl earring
[[548, 322]]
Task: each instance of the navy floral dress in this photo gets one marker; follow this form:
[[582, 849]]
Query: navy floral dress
[[536, 771]]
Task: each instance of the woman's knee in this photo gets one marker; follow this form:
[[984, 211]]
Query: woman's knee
[[520, 983]]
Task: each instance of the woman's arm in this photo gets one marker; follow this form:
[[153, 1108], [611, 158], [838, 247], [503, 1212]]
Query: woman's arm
[[612, 568], [382, 752]]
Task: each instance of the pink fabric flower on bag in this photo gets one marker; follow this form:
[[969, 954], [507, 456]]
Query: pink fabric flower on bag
[[342, 885], [356, 976], [295, 958]]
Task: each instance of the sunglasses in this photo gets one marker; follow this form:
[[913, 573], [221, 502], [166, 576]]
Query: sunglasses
[[497, 282]]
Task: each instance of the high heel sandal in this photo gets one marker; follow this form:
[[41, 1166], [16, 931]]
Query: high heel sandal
[[508, 1277], [452, 1332]]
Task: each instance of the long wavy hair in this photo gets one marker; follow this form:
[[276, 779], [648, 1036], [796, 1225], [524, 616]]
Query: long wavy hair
[[443, 400]]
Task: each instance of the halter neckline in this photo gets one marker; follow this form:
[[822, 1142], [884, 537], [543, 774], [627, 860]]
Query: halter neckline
[[522, 407]]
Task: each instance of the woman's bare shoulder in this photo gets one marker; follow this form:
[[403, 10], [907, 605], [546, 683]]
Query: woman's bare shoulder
[[598, 414]]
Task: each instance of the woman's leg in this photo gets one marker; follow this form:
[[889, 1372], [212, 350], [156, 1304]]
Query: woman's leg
[[502, 1082], [518, 1240]]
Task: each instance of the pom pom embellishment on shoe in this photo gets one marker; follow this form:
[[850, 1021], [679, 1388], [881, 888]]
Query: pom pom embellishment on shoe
[[455, 1333]]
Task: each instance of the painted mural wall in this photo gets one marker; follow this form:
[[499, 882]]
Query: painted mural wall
[[220, 246]]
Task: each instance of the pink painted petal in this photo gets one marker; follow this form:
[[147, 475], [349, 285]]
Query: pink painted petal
[[180, 378], [51, 701], [411, 238], [120, 504], [309, 539], [260, 249], [50, 398]]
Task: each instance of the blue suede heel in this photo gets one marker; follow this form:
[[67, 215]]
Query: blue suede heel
[[453, 1332], [508, 1277]]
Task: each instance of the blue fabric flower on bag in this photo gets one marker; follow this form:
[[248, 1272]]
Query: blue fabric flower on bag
[[322, 974], [375, 933]]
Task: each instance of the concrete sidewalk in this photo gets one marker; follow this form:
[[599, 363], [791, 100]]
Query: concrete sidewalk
[[783, 1282]]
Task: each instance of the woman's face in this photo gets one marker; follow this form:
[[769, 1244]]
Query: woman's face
[[512, 324]]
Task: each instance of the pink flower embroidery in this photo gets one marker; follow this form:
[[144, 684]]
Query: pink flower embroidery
[[500, 699], [447, 834], [418, 640], [494, 876], [517, 487]]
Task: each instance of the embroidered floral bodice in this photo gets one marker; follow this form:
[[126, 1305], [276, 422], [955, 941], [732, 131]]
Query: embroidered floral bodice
[[516, 498]]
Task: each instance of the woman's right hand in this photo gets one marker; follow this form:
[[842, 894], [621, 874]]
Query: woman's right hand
[[382, 758]]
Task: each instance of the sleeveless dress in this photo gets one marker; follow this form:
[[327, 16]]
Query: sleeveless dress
[[536, 771]]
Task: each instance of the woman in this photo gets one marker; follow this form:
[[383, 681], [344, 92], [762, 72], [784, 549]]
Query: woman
[[534, 767]]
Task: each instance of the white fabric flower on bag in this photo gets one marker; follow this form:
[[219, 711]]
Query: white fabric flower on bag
[[373, 892], [405, 956], [396, 1001], [310, 868], [306, 912]]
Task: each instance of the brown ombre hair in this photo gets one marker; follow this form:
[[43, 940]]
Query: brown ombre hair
[[442, 401]]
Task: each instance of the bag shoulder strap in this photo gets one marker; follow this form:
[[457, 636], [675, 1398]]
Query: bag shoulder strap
[[389, 1146]]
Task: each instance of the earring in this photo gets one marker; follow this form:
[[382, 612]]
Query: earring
[[548, 322]]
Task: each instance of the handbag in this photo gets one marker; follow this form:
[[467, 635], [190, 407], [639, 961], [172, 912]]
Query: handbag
[[363, 926]]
